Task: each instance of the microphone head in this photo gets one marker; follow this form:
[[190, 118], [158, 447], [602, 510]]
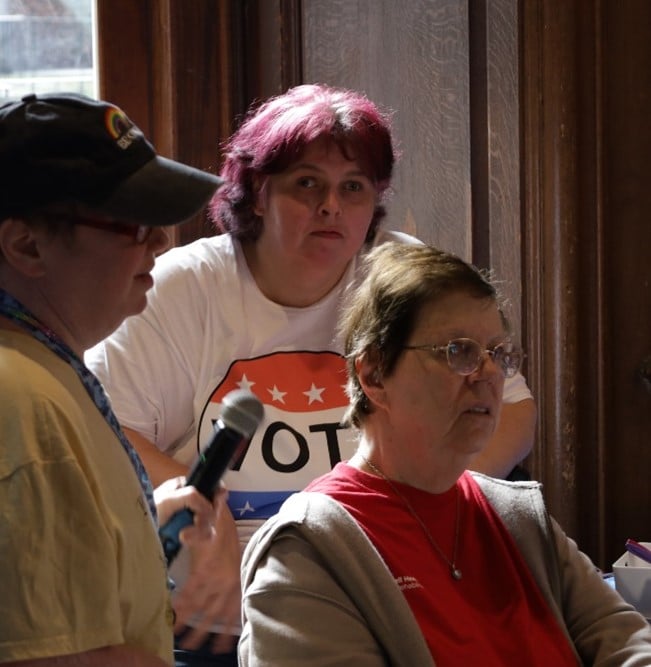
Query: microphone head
[[242, 411]]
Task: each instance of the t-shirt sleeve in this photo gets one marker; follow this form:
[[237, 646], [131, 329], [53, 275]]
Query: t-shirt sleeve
[[516, 389]]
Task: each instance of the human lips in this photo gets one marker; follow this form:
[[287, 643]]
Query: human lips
[[480, 409], [145, 276], [146, 280], [327, 233]]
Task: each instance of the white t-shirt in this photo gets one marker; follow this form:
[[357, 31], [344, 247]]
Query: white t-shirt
[[208, 330]]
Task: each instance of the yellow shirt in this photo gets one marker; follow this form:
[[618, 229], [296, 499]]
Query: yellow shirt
[[82, 566]]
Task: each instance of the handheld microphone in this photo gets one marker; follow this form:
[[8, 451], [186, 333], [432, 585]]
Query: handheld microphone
[[241, 415]]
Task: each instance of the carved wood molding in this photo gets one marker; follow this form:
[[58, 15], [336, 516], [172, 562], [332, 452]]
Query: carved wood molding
[[550, 196], [561, 216]]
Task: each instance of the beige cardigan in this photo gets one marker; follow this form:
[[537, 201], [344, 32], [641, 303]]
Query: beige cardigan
[[316, 592]]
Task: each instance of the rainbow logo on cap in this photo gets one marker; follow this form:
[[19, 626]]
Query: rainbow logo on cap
[[117, 123]]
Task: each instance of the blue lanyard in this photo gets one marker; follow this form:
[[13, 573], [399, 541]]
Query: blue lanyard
[[12, 309]]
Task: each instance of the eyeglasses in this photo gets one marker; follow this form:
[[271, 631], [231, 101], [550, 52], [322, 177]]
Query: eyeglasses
[[464, 355], [139, 233]]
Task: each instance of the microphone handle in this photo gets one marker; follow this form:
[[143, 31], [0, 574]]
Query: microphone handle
[[205, 476], [215, 459], [169, 533]]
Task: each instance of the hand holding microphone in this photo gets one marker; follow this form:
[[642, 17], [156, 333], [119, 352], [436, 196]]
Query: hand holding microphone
[[173, 496], [241, 414]]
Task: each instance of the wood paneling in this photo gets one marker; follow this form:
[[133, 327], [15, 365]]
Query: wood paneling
[[587, 142], [551, 235], [495, 148], [182, 81], [125, 80], [626, 277]]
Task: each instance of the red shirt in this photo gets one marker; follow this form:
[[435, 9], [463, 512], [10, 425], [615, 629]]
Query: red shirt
[[494, 615]]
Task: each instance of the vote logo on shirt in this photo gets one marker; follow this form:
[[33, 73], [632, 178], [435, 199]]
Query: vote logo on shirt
[[300, 437]]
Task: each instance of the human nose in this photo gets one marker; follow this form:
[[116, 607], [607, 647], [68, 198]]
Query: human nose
[[159, 239], [330, 203], [487, 366]]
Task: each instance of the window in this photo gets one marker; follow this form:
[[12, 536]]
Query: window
[[47, 46]]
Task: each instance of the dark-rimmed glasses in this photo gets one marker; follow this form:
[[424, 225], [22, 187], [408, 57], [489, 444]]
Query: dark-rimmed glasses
[[464, 355], [139, 233]]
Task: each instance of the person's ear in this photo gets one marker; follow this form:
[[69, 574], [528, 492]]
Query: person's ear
[[20, 247], [259, 194], [370, 377]]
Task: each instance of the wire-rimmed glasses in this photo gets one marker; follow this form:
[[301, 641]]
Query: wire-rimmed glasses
[[465, 355]]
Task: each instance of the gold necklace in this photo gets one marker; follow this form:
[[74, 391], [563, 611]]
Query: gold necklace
[[455, 572]]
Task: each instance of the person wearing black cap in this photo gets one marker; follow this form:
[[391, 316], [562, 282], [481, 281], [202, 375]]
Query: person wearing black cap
[[84, 201]]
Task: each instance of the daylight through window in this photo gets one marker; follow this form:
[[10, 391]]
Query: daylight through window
[[47, 46]]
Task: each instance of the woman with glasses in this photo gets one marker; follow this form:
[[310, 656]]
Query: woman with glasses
[[400, 556]]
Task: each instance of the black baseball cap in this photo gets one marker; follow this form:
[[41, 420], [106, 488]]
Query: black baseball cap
[[66, 147]]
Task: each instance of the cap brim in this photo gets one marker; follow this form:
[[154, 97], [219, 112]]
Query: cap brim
[[162, 192]]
